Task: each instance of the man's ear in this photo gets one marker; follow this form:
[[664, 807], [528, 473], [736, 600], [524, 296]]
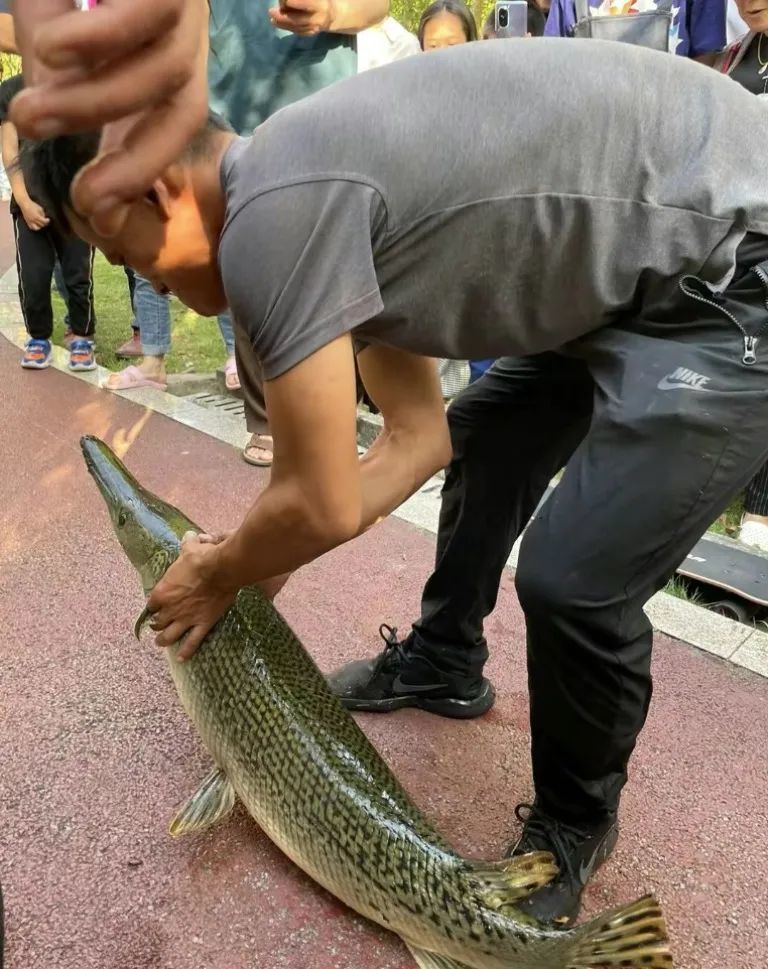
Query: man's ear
[[165, 190]]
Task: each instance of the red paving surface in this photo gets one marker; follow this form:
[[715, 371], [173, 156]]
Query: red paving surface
[[96, 752]]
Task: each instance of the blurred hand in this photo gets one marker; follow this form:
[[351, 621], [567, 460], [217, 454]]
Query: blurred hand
[[304, 17], [140, 63], [34, 215]]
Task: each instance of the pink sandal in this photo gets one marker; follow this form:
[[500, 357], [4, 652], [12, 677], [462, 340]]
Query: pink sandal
[[131, 379], [231, 379], [258, 442]]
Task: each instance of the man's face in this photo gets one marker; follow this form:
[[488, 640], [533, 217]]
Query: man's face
[[166, 240]]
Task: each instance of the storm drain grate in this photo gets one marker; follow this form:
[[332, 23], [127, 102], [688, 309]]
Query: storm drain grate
[[220, 402]]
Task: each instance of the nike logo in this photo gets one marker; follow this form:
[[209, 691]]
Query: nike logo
[[585, 868], [684, 379], [400, 688]]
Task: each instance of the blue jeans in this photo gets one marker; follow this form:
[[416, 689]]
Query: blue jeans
[[152, 315], [227, 333], [153, 320], [477, 368]]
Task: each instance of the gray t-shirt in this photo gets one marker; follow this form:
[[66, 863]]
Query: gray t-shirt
[[493, 199]]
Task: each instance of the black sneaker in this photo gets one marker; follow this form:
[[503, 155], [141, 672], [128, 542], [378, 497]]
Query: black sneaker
[[398, 678], [578, 851]]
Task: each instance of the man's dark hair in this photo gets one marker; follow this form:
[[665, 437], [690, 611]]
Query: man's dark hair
[[458, 8], [49, 167]]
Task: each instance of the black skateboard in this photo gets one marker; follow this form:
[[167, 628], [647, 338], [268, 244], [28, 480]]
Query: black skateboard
[[729, 578]]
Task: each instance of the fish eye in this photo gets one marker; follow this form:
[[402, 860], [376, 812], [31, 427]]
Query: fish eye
[[122, 518]]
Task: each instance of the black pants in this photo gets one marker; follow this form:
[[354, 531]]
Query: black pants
[[659, 423], [756, 495], [36, 254]]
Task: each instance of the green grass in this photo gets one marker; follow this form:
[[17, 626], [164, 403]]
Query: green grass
[[680, 589], [196, 341]]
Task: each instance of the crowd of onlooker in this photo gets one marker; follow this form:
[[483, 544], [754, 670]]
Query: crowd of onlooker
[[697, 29]]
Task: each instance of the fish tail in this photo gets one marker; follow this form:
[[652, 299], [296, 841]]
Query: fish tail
[[634, 937]]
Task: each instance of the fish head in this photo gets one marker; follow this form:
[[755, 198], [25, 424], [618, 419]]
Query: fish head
[[149, 529]]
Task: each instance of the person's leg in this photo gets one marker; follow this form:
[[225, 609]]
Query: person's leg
[[678, 429], [477, 368], [510, 432], [132, 346], [35, 257], [61, 289], [76, 261], [231, 378], [754, 525], [258, 451], [153, 316]]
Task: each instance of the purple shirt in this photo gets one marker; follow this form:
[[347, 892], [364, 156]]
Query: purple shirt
[[698, 26]]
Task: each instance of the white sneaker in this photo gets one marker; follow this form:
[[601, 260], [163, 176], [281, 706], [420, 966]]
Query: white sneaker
[[754, 534]]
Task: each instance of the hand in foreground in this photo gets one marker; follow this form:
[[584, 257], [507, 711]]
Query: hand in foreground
[[34, 215], [143, 61], [189, 599], [304, 17]]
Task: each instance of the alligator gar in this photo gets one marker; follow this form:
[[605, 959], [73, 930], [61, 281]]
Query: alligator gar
[[284, 746]]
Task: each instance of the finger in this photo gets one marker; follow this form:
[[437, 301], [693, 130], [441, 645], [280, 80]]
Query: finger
[[191, 643], [189, 536], [297, 23], [109, 32], [27, 17], [103, 189], [172, 633], [310, 6], [84, 102], [206, 539]]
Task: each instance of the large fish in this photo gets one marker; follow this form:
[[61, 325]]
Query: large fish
[[283, 744]]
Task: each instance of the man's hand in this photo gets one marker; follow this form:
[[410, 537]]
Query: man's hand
[[143, 61], [34, 215], [337, 16], [190, 597], [304, 17]]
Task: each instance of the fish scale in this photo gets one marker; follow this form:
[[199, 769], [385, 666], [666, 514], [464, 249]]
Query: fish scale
[[310, 778]]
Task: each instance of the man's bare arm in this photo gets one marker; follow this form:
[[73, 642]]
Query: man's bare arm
[[333, 16], [7, 35]]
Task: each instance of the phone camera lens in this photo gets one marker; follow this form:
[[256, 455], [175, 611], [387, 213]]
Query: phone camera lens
[[503, 17]]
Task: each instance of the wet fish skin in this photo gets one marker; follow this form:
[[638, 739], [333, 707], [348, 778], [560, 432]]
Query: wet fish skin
[[308, 775]]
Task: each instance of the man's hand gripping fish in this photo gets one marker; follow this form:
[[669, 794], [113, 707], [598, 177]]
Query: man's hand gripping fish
[[284, 745]]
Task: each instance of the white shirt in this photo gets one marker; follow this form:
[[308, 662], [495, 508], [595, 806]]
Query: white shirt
[[383, 43]]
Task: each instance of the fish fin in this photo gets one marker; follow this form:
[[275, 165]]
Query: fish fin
[[138, 626], [431, 960], [210, 803], [505, 882], [634, 937]]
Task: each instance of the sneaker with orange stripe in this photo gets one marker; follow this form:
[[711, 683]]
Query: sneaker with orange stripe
[[81, 355], [37, 355]]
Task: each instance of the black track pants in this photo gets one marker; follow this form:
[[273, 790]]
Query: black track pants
[[660, 422], [36, 254]]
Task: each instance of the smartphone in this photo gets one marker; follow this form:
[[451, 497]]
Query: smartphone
[[511, 18]]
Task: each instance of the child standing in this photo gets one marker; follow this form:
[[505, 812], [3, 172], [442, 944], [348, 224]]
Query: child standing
[[38, 245]]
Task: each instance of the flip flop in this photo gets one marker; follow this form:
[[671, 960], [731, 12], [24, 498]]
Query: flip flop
[[131, 379], [231, 379], [256, 445]]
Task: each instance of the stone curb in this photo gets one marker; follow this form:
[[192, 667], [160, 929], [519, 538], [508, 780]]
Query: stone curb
[[732, 641]]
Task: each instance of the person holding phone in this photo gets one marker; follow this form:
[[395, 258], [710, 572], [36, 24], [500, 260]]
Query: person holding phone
[[535, 22], [690, 28]]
